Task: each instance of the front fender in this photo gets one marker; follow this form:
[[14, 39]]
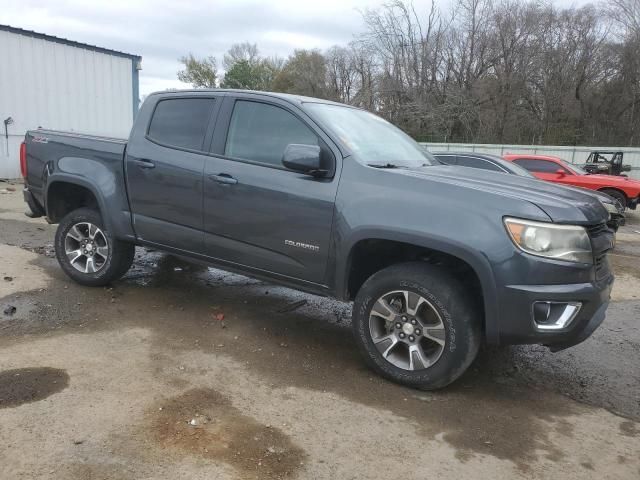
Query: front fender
[[475, 259]]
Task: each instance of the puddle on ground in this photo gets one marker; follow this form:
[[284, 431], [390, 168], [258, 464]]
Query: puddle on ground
[[203, 422], [630, 429], [27, 385], [626, 264]]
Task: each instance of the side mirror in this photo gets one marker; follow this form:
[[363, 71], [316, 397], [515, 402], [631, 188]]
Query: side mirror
[[303, 159], [560, 172]]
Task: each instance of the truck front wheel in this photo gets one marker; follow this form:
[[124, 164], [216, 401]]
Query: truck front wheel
[[416, 325], [87, 252]]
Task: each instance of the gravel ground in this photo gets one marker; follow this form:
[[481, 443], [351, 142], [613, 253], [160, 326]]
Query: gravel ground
[[182, 371]]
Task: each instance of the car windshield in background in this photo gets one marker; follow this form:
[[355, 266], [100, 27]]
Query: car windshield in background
[[518, 170], [372, 140], [574, 168]]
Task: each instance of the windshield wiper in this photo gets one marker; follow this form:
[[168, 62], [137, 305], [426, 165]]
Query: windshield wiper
[[392, 165], [385, 165]]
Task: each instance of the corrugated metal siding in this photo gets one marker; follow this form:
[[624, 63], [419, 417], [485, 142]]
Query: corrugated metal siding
[[570, 154], [62, 87]]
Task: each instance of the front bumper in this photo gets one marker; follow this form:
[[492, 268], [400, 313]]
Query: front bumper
[[633, 202], [520, 327]]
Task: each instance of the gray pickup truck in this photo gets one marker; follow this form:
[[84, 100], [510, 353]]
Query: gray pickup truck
[[335, 201]]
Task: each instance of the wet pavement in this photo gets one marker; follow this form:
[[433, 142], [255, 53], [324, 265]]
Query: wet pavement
[[274, 387]]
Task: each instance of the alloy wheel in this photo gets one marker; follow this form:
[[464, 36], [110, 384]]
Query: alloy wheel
[[86, 247], [407, 330]]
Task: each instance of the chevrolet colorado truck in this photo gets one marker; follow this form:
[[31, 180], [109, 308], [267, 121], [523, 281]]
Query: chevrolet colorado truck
[[335, 201]]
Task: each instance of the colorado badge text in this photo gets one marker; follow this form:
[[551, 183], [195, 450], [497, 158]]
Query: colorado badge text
[[306, 246]]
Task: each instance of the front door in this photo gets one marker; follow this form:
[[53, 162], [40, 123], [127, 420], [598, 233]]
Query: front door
[[165, 173], [257, 213]]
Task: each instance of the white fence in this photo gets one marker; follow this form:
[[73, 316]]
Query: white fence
[[570, 154]]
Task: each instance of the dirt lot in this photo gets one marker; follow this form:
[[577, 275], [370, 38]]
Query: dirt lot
[[144, 380]]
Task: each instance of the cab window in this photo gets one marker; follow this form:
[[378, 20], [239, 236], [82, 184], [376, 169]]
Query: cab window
[[181, 122], [260, 132]]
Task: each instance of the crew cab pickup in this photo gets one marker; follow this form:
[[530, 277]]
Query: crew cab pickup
[[332, 200]]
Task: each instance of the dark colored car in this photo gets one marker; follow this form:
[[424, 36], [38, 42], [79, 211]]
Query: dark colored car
[[494, 163], [335, 201]]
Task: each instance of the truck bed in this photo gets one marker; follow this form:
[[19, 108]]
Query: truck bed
[[57, 156]]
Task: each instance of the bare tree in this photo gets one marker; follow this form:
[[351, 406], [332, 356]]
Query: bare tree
[[341, 73], [241, 51], [509, 71]]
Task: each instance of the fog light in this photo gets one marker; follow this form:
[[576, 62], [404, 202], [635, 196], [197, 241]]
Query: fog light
[[550, 316]]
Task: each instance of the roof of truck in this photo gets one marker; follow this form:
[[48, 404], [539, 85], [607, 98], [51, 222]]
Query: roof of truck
[[285, 96]]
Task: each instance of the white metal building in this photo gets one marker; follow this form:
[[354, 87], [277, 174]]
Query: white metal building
[[60, 84]]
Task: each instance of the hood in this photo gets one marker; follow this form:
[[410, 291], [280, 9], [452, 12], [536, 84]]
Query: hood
[[562, 205], [603, 197], [615, 180]]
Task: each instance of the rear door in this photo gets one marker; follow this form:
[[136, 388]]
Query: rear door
[[257, 213], [164, 168]]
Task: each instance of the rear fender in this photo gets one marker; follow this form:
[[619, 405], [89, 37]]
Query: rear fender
[[111, 198]]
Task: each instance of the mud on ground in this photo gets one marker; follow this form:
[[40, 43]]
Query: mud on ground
[[181, 371]]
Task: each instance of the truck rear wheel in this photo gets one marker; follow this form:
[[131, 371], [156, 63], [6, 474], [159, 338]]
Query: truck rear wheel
[[87, 252], [416, 325]]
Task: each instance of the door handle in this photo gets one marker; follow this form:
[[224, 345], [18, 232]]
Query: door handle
[[144, 163], [223, 178]]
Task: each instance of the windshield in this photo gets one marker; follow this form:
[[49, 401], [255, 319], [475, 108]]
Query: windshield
[[372, 140], [518, 170], [573, 168]]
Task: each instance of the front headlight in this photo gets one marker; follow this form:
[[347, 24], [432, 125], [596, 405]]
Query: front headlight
[[610, 207], [561, 242]]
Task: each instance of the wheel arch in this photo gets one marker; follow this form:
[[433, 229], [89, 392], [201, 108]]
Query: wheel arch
[[65, 193], [412, 247], [615, 189]]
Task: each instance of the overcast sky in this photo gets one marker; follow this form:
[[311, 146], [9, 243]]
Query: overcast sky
[[162, 32]]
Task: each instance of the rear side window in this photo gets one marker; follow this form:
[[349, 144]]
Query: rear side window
[[534, 165], [478, 163], [181, 122], [260, 132]]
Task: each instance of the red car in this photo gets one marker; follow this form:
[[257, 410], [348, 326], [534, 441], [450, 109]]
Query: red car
[[554, 169]]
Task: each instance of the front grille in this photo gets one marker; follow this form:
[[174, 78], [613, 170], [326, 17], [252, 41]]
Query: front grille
[[602, 266], [596, 230], [601, 241]]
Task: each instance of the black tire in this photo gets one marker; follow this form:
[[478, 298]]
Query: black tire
[[457, 310], [619, 196], [119, 256]]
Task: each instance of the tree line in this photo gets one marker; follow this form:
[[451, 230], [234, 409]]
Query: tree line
[[490, 71]]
